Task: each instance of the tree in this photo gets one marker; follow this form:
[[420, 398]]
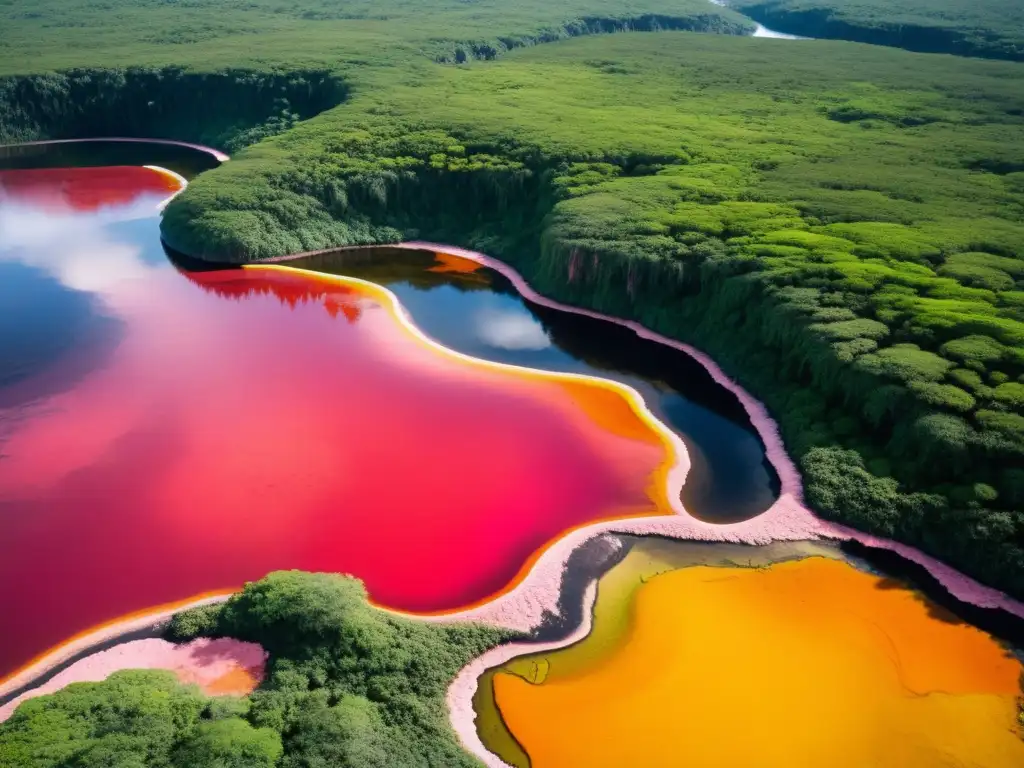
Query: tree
[[230, 743]]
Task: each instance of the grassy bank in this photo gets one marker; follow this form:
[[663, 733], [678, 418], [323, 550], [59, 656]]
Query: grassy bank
[[347, 685], [838, 225], [992, 29]]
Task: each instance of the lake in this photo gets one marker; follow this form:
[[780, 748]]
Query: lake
[[168, 432]]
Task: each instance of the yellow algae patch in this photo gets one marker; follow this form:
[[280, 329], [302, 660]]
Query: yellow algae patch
[[803, 663], [646, 558]]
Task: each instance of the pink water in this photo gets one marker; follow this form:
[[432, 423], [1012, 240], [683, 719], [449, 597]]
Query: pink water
[[248, 421]]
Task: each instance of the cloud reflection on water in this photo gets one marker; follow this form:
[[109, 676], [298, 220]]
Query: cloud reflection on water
[[510, 330]]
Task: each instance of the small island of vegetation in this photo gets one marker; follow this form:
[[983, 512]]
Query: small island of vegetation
[[347, 685]]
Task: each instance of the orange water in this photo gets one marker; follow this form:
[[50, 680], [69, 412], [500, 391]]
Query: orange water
[[810, 663]]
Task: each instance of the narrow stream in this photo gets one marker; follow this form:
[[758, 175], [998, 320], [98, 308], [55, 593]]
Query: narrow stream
[[760, 29]]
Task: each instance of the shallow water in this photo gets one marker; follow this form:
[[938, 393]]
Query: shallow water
[[763, 31], [169, 434], [697, 658], [476, 311], [760, 30]]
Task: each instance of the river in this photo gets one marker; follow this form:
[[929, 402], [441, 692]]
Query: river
[[760, 30]]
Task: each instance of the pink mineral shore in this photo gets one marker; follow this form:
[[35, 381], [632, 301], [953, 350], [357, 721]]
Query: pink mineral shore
[[463, 688], [80, 644], [204, 662], [217, 154]]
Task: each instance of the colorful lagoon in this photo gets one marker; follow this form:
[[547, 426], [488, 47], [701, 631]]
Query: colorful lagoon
[[169, 430], [477, 311], [210, 427]]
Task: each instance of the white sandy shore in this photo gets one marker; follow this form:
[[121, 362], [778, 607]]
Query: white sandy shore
[[80, 644]]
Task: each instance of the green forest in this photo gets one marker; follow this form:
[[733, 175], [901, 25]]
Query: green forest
[[348, 686], [992, 29]]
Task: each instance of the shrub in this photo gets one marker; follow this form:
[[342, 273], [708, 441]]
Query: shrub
[[229, 743], [1010, 394], [134, 718], [974, 349], [904, 362], [942, 396]]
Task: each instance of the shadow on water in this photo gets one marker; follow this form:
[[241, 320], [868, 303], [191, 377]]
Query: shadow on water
[[899, 573], [477, 311], [182, 160]]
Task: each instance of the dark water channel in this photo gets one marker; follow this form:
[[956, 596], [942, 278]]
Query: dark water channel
[[480, 313]]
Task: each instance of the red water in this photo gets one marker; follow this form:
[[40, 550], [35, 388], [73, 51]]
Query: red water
[[84, 189], [254, 420]]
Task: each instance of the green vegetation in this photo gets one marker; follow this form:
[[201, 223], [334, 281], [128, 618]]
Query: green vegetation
[[228, 109], [841, 227], [992, 29], [347, 686], [135, 719]]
